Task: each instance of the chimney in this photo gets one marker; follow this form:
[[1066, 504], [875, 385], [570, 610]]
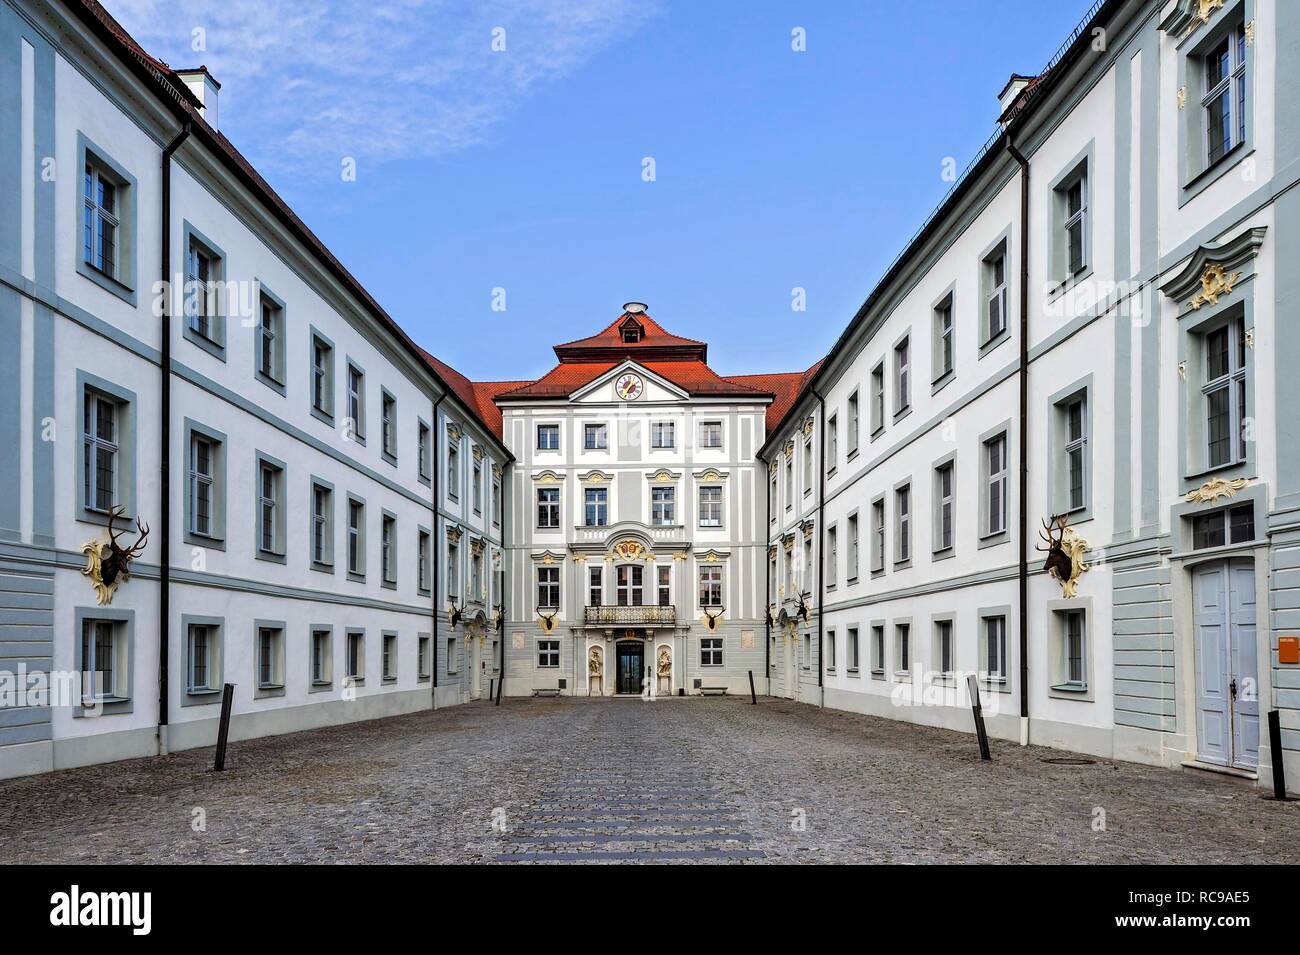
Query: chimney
[[1011, 92], [204, 88]]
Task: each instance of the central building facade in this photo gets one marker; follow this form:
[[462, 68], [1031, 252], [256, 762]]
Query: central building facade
[[636, 537]]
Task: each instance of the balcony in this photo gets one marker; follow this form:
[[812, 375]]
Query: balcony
[[616, 616]]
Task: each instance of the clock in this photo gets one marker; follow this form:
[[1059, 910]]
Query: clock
[[629, 387]]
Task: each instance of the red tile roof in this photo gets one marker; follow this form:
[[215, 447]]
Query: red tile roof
[[476, 396], [787, 387], [693, 377], [655, 342]]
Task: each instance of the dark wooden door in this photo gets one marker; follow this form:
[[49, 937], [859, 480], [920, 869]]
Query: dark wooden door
[[631, 663]]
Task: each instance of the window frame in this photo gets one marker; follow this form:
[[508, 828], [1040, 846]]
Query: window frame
[[321, 377], [122, 633], [122, 282], [275, 684], [943, 359], [988, 534], [324, 560], [357, 571], [274, 378], [215, 536], [1062, 446], [276, 553], [551, 507], [991, 288], [210, 691], [213, 341], [124, 430]]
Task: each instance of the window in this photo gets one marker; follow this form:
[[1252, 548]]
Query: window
[[548, 587], [356, 537], [1075, 658], [104, 664], [422, 657], [995, 294], [878, 649], [1224, 393], [903, 648], [1070, 197], [789, 482], [711, 434], [832, 557], [710, 651], [944, 335], [1223, 102], [902, 376], [830, 649], [322, 524], [628, 580], [772, 498], [595, 437], [101, 224], [995, 647], [388, 426], [665, 581], [903, 530], [851, 648], [453, 662], [496, 501], [631, 333], [101, 451], [202, 657], [476, 575], [388, 664], [355, 417], [944, 649], [943, 507], [321, 656], [270, 341], [202, 303], [853, 548], [663, 434], [548, 653], [878, 536], [1071, 477], [663, 505], [548, 437], [270, 658], [202, 463], [995, 485], [388, 548], [425, 558], [322, 377], [878, 399], [548, 507], [453, 570], [477, 488], [711, 505], [356, 656], [832, 444], [1232, 525], [807, 466], [595, 586], [595, 506], [854, 424], [453, 469], [270, 509], [710, 585], [422, 453]]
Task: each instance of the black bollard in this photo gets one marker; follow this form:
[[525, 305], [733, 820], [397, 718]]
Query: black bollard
[[973, 687], [1275, 744], [753, 697], [223, 730]]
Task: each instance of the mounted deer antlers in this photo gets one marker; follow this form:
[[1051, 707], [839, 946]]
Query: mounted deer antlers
[[499, 618], [454, 613], [108, 563], [711, 619], [547, 621], [805, 605], [1065, 550], [771, 615]]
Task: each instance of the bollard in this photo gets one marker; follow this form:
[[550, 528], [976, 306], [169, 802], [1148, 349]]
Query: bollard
[[223, 730], [973, 688], [491, 684], [753, 697], [500, 683], [1275, 744]]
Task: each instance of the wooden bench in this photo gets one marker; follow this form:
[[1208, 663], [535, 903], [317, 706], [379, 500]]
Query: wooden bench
[[547, 691], [713, 691]]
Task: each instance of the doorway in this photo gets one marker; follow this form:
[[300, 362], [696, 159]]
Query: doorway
[[631, 664], [1227, 670]]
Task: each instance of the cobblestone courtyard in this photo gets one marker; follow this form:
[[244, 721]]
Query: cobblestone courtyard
[[714, 780]]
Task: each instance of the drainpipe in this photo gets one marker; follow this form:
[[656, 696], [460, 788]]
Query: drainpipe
[[505, 587], [767, 593], [165, 440], [1023, 442], [434, 555], [821, 542]]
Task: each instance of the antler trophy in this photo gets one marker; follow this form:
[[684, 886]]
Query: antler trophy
[[107, 562], [805, 605], [711, 619], [547, 620], [1065, 550], [454, 612]]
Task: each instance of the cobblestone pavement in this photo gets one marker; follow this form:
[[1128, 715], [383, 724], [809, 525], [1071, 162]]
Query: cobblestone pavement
[[711, 781]]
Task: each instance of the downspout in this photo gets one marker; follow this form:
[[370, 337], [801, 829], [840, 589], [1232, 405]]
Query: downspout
[[165, 439], [821, 544], [505, 586], [435, 551], [767, 594], [1023, 442]]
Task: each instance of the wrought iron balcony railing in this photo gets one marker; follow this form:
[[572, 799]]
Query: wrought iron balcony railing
[[620, 616]]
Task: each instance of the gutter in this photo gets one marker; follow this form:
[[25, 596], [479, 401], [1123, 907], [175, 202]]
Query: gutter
[[821, 544], [165, 440], [435, 554], [1022, 542], [767, 574]]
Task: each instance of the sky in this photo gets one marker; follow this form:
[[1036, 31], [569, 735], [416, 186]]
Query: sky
[[503, 176]]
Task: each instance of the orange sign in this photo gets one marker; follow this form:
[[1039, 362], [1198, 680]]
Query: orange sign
[[1288, 649]]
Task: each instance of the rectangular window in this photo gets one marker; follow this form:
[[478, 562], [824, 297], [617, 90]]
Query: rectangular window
[[101, 224], [995, 647], [270, 659], [629, 585], [595, 437], [902, 376], [830, 649], [663, 434], [851, 647], [548, 587], [711, 434], [595, 506], [453, 663], [807, 466], [496, 502], [388, 668], [202, 285], [202, 662], [476, 576], [832, 443], [595, 586], [356, 537], [710, 505], [877, 536], [322, 525], [477, 489], [710, 651], [388, 425], [878, 650], [548, 653], [1234, 525], [423, 453], [1223, 102], [1072, 420], [944, 507], [944, 335], [202, 460], [425, 557], [853, 548], [665, 581], [995, 294], [710, 585], [548, 507], [663, 505], [1072, 200], [270, 340], [832, 557], [1224, 393], [100, 446], [103, 663], [903, 648], [1074, 657], [356, 657], [903, 515], [356, 408], [388, 548], [854, 424], [548, 437], [322, 376], [422, 658], [320, 657], [944, 649], [270, 519], [789, 482], [995, 485], [453, 571], [453, 470]]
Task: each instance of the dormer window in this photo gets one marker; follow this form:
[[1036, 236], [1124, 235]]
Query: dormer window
[[632, 333]]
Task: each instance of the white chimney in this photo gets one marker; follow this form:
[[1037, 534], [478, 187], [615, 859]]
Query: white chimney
[[1015, 86], [205, 88]]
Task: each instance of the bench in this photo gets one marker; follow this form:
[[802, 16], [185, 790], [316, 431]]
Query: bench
[[547, 691], [713, 691]]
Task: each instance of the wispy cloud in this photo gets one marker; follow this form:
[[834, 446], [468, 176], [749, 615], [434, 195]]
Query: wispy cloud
[[308, 83]]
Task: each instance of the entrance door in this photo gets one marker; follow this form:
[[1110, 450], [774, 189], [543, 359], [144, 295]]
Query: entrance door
[[1227, 694], [631, 665], [475, 636], [792, 664]]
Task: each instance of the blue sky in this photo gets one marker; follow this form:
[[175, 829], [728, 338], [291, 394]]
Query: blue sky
[[523, 169]]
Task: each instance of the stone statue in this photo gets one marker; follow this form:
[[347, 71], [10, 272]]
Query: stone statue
[[594, 666], [665, 662]]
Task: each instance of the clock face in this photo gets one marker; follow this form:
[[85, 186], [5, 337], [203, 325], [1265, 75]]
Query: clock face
[[629, 387]]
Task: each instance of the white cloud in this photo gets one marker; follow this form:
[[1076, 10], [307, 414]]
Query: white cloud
[[307, 83]]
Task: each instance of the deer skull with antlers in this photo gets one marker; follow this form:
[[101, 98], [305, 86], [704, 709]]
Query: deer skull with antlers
[[454, 613], [547, 620], [805, 605], [711, 619], [108, 563], [1065, 550]]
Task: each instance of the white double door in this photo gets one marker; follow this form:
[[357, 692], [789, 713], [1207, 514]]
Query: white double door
[[1227, 671]]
